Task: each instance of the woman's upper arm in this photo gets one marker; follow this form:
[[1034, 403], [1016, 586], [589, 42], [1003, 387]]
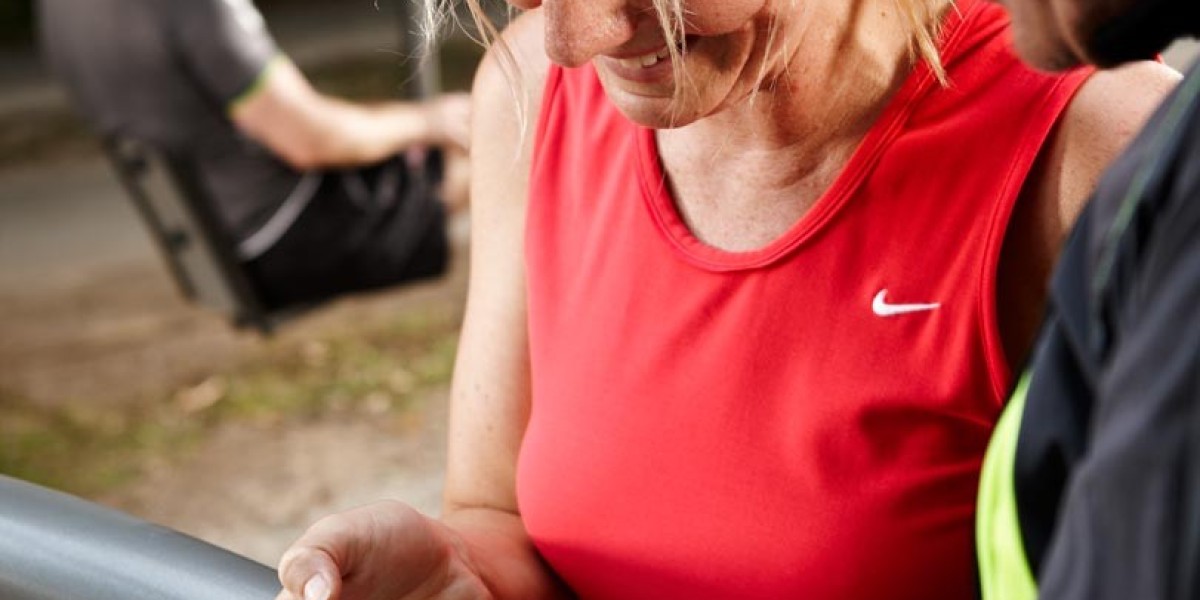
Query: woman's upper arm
[[1102, 118], [491, 390], [1106, 113]]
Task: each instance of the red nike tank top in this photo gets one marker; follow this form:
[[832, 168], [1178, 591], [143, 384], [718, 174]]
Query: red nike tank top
[[806, 420]]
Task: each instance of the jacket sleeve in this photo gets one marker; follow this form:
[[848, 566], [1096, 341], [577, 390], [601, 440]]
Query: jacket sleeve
[[1130, 522]]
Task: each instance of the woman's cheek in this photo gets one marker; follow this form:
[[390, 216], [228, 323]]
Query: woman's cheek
[[716, 17]]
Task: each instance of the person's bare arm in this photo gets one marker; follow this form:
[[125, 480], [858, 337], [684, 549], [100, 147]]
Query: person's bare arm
[[1105, 114], [491, 392], [480, 548], [310, 130]]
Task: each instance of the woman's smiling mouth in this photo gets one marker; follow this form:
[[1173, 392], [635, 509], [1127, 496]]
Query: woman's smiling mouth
[[645, 60]]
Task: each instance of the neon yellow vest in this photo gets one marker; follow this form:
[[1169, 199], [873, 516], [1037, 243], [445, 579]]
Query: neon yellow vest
[[1003, 567]]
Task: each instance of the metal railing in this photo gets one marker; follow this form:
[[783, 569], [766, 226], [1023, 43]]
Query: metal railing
[[58, 547]]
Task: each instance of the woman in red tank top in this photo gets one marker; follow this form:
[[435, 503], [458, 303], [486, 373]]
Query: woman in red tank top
[[746, 283]]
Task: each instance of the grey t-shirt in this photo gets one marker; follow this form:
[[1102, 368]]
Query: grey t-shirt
[[166, 72]]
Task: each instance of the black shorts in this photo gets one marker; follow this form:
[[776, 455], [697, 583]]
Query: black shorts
[[347, 241]]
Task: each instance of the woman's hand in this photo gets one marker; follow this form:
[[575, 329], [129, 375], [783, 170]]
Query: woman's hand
[[382, 551]]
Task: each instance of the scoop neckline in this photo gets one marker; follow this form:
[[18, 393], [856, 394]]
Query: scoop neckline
[[887, 126]]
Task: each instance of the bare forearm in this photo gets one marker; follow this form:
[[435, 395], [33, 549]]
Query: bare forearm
[[309, 130], [351, 134], [503, 555]]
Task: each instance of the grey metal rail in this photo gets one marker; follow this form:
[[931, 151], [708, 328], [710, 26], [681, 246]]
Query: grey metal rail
[[58, 547]]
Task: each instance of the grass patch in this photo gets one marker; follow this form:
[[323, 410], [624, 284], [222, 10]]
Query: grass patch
[[375, 370], [85, 451]]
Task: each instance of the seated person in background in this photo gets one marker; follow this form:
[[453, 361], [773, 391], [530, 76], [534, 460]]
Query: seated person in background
[[312, 189]]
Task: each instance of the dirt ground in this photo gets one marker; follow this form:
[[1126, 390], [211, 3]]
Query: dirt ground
[[122, 337]]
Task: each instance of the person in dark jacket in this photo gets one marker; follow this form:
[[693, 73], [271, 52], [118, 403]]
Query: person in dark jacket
[[1091, 487]]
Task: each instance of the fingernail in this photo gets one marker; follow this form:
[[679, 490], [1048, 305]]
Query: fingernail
[[317, 588]]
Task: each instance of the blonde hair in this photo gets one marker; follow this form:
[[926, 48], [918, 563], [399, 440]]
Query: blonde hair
[[924, 20]]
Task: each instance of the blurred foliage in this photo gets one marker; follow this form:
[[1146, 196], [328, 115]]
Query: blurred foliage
[[375, 372], [458, 59], [380, 76], [16, 21]]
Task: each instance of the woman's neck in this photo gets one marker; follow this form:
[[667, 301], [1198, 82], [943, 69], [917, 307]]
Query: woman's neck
[[792, 138], [839, 67]]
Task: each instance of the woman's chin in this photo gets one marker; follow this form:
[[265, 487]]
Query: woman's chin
[[657, 110], [656, 115]]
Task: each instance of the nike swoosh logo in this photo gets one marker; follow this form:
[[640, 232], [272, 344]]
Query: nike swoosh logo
[[880, 306]]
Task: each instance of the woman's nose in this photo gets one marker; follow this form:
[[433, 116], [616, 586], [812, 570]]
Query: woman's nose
[[578, 30]]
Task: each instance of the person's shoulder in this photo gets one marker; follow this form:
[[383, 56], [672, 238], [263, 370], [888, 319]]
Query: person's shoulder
[[505, 104], [1104, 115], [506, 97], [523, 41], [1116, 103], [512, 74]]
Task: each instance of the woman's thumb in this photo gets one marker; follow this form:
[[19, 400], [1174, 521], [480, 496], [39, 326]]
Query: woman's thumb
[[309, 573]]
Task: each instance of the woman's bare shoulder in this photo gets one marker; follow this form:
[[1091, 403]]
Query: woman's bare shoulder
[[1103, 117], [1106, 113], [509, 81]]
